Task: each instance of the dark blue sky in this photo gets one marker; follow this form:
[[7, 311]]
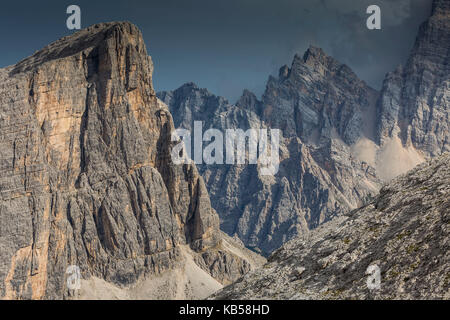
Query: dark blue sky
[[227, 46]]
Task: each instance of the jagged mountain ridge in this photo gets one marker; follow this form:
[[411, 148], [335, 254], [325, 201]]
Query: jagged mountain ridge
[[341, 139], [404, 231], [318, 176], [60, 168], [87, 178]]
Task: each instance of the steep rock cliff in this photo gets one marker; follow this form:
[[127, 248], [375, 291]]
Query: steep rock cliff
[[322, 109], [341, 139], [87, 178], [415, 99]]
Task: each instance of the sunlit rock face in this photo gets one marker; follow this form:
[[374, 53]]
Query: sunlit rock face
[[86, 173]]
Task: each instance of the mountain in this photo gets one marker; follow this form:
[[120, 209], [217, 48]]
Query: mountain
[[89, 183], [414, 102], [404, 232], [320, 107], [322, 110], [341, 140], [87, 180]]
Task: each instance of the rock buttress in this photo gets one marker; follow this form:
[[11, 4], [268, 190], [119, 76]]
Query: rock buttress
[[86, 174]]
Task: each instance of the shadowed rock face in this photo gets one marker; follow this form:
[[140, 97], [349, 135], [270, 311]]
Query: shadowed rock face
[[318, 97], [405, 231], [341, 139], [415, 99], [86, 173], [321, 108]]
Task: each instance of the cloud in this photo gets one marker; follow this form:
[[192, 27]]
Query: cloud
[[230, 45]]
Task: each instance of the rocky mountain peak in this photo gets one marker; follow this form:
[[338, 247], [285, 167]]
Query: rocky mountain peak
[[414, 102], [321, 111], [106, 35], [249, 101], [317, 61], [319, 95], [189, 86], [87, 177], [440, 7], [314, 54], [283, 73], [330, 120]]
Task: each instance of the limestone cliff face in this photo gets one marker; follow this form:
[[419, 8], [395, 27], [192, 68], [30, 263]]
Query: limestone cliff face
[[414, 102], [86, 173], [318, 98], [322, 109], [341, 139]]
